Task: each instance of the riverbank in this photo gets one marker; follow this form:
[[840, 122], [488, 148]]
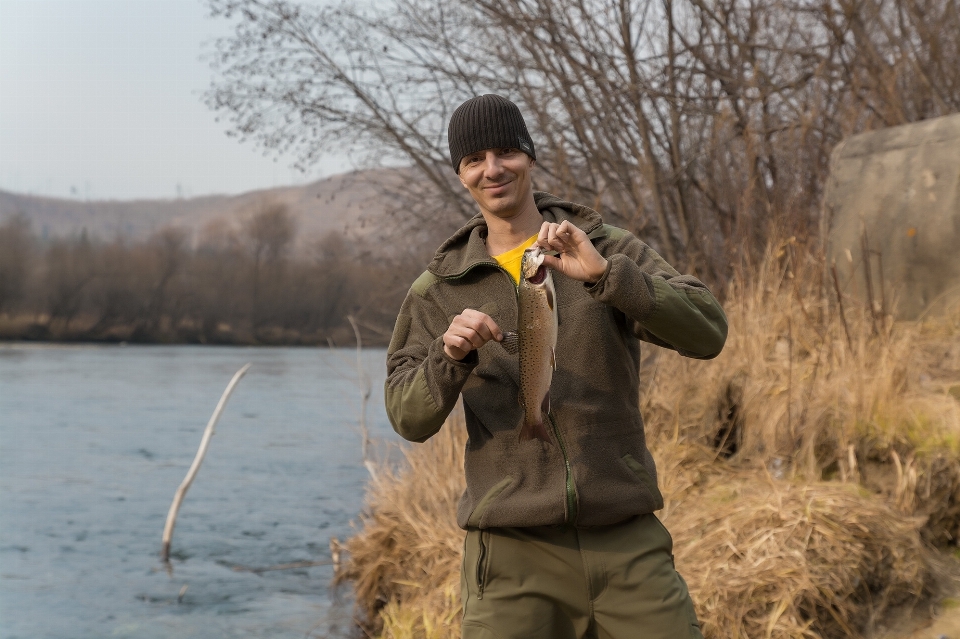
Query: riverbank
[[811, 478], [88, 329]]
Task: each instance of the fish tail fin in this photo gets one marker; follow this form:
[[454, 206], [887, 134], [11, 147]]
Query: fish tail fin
[[535, 430]]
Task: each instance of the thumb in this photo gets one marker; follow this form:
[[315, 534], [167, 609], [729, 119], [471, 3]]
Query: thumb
[[552, 262]]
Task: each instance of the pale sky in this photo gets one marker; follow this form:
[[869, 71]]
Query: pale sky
[[102, 99]]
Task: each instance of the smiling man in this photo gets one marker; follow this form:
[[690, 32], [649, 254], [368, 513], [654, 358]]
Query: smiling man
[[561, 537]]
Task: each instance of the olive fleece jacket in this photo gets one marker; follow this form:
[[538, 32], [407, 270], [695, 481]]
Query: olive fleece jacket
[[599, 470]]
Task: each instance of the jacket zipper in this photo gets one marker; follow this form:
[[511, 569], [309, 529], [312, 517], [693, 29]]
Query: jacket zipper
[[571, 493]]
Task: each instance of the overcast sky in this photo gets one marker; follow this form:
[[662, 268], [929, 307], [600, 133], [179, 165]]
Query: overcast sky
[[101, 99]]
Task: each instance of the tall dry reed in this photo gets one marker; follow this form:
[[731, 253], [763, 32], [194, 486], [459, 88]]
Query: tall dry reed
[[813, 389]]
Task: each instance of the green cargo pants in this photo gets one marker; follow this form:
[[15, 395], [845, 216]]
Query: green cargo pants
[[561, 582]]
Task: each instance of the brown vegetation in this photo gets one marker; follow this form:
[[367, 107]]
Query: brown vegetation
[[230, 286], [805, 471]]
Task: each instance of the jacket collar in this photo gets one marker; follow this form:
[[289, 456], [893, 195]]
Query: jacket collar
[[467, 247]]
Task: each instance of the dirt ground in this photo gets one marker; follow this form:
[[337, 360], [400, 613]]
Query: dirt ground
[[938, 619]]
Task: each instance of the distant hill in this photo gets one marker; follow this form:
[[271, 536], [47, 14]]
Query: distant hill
[[350, 203]]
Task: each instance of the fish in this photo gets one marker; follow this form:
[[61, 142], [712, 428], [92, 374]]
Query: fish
[[536, 342]]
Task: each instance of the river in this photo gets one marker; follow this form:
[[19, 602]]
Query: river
[[94, 440]]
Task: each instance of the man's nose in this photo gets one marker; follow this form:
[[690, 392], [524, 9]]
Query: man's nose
[[492, 166]]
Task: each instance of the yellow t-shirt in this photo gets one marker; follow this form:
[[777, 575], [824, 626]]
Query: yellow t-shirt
[[510, 261]]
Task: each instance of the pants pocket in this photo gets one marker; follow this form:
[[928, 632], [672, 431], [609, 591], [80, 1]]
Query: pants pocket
[[476, 563], [483, 561]]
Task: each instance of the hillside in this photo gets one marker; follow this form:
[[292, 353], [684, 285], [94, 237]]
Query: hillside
[[345, 203]]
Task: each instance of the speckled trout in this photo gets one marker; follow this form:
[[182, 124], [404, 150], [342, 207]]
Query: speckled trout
[[537, 342]]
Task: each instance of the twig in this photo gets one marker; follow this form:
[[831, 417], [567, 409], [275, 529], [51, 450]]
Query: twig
[[868, 276], [789, 375], [364, 380], [843, 318], [195, 466]]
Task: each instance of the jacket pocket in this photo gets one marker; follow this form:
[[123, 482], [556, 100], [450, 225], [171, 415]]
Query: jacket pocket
[[640, 471], [478, 511]]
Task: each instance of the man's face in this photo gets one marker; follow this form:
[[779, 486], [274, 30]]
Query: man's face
[[498, 180]]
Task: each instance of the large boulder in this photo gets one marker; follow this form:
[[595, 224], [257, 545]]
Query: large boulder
[[893, 202]]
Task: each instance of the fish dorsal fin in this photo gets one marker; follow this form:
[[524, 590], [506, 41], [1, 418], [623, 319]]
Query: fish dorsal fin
[[553, 357], [545, 404], [511, 342]]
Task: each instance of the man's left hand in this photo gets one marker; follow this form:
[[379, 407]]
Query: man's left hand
[[578, 258]]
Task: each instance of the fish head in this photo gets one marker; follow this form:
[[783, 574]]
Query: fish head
[[532, 269]]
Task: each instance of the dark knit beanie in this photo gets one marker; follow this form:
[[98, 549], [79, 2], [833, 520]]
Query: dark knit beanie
[[487, 122]]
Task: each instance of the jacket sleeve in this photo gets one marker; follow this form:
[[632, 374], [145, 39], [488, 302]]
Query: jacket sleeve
[[423, 383], [666, 308]]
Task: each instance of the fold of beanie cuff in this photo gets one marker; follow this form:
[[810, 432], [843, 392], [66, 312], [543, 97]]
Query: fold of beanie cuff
[[487, 122]]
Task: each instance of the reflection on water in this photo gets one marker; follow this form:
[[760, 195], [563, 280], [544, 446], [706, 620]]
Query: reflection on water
[[94, 442]]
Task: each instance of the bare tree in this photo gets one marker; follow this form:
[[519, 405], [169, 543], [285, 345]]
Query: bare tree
[[704, 126], [269, 232], [16, 256]]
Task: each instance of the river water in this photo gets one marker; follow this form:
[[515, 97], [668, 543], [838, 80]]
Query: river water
[[94, 440]]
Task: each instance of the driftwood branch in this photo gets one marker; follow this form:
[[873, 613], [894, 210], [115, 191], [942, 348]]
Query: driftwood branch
[[195, 466], [364, 381]]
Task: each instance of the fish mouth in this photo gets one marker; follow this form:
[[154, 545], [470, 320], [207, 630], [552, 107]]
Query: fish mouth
[[531, 265], [539, 276]]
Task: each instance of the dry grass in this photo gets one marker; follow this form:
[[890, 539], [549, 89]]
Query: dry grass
[[791, 392], [801, 470], [767, 558], [405, 562]]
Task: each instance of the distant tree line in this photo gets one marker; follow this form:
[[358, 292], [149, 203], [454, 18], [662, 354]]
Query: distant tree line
[[248, 285], [704, 126]]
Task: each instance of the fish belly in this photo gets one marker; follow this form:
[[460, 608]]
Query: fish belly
[[538, 339]]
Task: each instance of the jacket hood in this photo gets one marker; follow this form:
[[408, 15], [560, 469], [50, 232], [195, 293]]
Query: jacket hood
[[467, 247]]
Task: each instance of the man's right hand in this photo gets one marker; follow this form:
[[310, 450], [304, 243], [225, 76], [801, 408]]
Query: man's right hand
[[468, 331]]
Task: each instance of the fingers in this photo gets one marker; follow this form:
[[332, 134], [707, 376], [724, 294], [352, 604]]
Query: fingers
[[563, 237], [577, 257], [469, 331]]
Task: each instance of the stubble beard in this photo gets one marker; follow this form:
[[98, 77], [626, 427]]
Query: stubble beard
[[508, 204]]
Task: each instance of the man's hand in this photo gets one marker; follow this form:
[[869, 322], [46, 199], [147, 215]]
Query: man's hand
[[578, 257], [468, 331]]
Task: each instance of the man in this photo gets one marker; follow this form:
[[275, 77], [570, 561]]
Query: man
[[561, 540]]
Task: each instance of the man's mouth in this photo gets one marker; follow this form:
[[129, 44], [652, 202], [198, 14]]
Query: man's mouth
[[496, 189]]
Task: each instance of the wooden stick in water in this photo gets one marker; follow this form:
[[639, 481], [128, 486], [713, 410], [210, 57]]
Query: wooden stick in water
[[195, 466]]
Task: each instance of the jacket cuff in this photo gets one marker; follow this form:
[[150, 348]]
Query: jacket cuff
[[626, 287], [447, 375]]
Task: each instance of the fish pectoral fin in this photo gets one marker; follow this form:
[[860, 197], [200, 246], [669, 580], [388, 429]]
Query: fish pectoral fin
[[553, 357], [545, 404], [511, 342], [535, 431]]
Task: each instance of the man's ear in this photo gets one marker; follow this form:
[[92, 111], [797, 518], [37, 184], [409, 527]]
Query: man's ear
[[460, 177]]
